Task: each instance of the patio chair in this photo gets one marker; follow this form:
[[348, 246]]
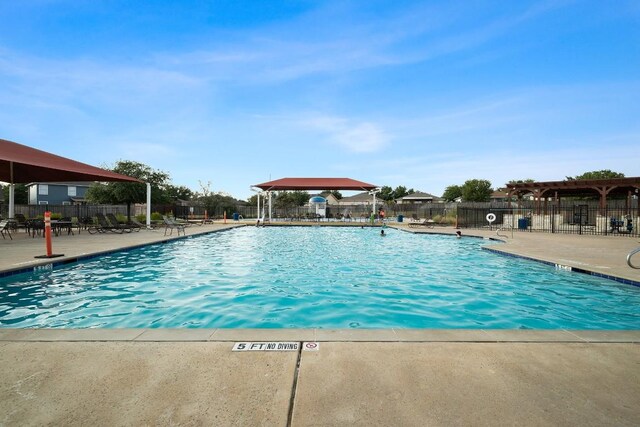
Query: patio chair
[[75, 223], [64, 223], [35, 226], [19, 221], [5, 227], [86, 222], [170, 224]]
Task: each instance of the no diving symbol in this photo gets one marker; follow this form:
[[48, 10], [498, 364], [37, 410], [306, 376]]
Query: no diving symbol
[[311, 346]]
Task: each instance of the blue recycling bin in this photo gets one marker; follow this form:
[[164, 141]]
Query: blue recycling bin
[[400, 218], [523, 223], [236, 216]]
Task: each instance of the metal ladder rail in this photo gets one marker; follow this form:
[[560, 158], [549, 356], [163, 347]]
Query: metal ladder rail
[[632, 253], [504, 229]]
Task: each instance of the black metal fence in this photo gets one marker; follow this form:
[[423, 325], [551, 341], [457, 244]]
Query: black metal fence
[[78, 211], [581, 218], [354, 212]]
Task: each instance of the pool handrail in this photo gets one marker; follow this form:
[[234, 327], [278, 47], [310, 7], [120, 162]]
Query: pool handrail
[[504, 229], [632, 253]]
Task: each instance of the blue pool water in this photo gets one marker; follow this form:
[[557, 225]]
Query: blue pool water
[[325, 277]]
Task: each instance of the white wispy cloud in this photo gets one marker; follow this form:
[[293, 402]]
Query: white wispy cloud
[[353, 135], [288, 51]]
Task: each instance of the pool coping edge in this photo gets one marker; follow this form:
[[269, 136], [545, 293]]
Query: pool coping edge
[[320, 335]]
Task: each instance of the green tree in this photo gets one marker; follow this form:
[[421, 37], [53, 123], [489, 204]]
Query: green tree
[[253, 200], [131, 192], [601, 174], [289, 199], [173, 193], [451, 193], [20, 194], [516, 181], [215, 202], [386, 193], [476, 190], [400, 191]]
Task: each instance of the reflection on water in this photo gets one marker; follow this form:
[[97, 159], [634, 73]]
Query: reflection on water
[[315, 277]]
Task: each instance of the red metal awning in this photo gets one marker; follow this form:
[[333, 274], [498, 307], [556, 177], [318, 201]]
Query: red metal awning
[[22, 164], [315, 184]]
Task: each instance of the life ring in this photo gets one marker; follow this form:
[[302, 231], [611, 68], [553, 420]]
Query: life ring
[[491, 217]]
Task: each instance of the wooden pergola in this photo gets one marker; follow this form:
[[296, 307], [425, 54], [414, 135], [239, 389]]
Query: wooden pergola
[[604, 188]]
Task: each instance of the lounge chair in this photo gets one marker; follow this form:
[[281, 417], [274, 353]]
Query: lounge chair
[[5, 227], [115, 223], [170, 224], [103, 226], [136, 225], [429, 223]]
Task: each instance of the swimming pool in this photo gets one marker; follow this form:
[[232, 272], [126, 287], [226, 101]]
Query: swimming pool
[[323, 277]]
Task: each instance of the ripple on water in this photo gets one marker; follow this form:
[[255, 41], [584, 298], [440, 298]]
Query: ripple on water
[[315, 277]]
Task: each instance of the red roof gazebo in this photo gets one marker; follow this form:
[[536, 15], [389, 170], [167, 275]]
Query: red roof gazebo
[[294, 184], [315, 184]]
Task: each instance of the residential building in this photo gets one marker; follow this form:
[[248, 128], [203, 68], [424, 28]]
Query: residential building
[[362, 199], [418, 197], [331, 199], [57, 193]]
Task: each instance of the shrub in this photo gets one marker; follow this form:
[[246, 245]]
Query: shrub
[[156, 216]]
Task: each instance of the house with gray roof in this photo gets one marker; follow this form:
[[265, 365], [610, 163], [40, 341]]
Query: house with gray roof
[[362, 199], [419, 197]]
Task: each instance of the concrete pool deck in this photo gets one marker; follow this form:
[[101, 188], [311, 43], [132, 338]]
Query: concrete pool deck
[[355, 377]]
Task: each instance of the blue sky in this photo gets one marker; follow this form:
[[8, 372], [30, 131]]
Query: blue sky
[[417, 93]]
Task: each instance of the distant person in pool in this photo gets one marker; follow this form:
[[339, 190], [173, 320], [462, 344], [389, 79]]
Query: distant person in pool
[[382, 233], [458, 234]]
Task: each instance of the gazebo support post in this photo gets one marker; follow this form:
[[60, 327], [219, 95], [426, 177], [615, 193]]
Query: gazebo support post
[[258, 212], [269, 207], [373, 209], [148, 206], [12, 205]]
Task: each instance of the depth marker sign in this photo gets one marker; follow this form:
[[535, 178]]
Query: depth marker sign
[[266, 346]]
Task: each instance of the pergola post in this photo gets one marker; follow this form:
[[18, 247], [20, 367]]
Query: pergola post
[[269, 206], [604, 192]]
